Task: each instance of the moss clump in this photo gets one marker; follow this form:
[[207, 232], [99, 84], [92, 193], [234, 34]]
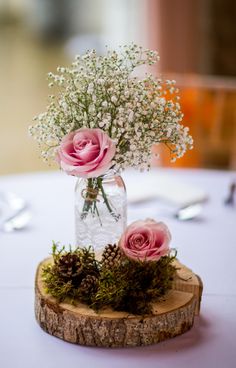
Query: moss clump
[[128, 286], [131, 286], [64, 277]]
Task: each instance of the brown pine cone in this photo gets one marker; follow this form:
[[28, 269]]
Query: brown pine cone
[[87, 259], [89, 285], [69, 267], [111, 256]]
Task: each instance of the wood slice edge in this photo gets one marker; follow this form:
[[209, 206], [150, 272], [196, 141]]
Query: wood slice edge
[[81, 325], [187, 280]]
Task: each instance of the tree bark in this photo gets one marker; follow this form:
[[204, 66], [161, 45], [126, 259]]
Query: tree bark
[[172, 316]]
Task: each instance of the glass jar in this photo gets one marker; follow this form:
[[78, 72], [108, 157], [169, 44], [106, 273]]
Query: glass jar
[[100, 210]]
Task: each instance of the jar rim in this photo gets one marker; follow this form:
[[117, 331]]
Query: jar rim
[[108, 173]]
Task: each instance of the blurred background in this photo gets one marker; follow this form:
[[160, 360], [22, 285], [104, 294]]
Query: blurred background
[[195, 39]]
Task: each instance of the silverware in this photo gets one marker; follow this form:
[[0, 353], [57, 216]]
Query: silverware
[[15, 213], [17, 221], [189, 212], [10, 202], [231, 195]]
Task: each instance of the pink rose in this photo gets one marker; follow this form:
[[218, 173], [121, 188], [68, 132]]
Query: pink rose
[[86, 153], [145, 240]]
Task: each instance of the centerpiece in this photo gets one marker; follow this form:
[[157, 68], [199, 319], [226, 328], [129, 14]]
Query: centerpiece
[[119, 286], [136, 294], [103, 120]]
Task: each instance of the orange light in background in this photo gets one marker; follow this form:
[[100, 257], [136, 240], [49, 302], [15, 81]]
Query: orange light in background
[[189, 98]]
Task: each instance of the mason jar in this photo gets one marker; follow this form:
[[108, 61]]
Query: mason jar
[[100, 210]]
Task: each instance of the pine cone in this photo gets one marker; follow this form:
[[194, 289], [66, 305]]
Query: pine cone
[[69, 267], [87, 259], [111, 256], [89, 285]]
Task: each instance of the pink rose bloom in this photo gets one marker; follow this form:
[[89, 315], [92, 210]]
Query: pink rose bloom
[[145, 240], [86, 153]]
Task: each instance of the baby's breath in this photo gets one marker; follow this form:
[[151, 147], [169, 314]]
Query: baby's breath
[[102, 92]]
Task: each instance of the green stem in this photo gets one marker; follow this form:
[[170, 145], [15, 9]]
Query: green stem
[[100, 186], [91, 205], [87, 203]]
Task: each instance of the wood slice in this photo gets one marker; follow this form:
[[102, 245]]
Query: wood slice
[[172, 316], [188, 281]]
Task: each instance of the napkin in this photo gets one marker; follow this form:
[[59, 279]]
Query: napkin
[[165, 188]]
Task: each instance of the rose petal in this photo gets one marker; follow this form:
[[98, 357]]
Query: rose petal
[[86, 152], [145, 240]]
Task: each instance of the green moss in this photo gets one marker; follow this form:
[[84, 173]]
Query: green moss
[[62, 279], [129, 286]]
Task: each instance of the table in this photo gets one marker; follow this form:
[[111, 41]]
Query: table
[[207, 245]]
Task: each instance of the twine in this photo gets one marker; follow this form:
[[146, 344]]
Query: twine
[[90, 194]]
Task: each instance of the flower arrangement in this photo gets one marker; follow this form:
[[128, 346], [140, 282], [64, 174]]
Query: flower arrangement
[[129, 277], [104, 117], [101, 92]]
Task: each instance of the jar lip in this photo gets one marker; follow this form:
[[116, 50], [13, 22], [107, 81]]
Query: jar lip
[[109, 173]]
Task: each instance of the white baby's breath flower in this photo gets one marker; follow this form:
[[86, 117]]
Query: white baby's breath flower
[[90, 88], [100, 81], [113, 99], [101, 124], [104, 104], [101, 92], [131, 116]]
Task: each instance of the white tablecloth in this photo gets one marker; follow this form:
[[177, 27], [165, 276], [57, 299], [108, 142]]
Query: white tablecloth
[[207, 245]]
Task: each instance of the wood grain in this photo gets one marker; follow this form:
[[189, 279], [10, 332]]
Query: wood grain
[[186, 280], [78, 324]]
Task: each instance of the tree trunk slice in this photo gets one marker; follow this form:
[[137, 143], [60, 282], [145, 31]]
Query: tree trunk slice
[[188, 281], [79, 324]]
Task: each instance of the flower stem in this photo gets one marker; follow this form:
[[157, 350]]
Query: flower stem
[[100, 186], [94, 187]]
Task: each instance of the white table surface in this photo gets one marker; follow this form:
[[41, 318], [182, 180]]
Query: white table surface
[[207, 245]]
